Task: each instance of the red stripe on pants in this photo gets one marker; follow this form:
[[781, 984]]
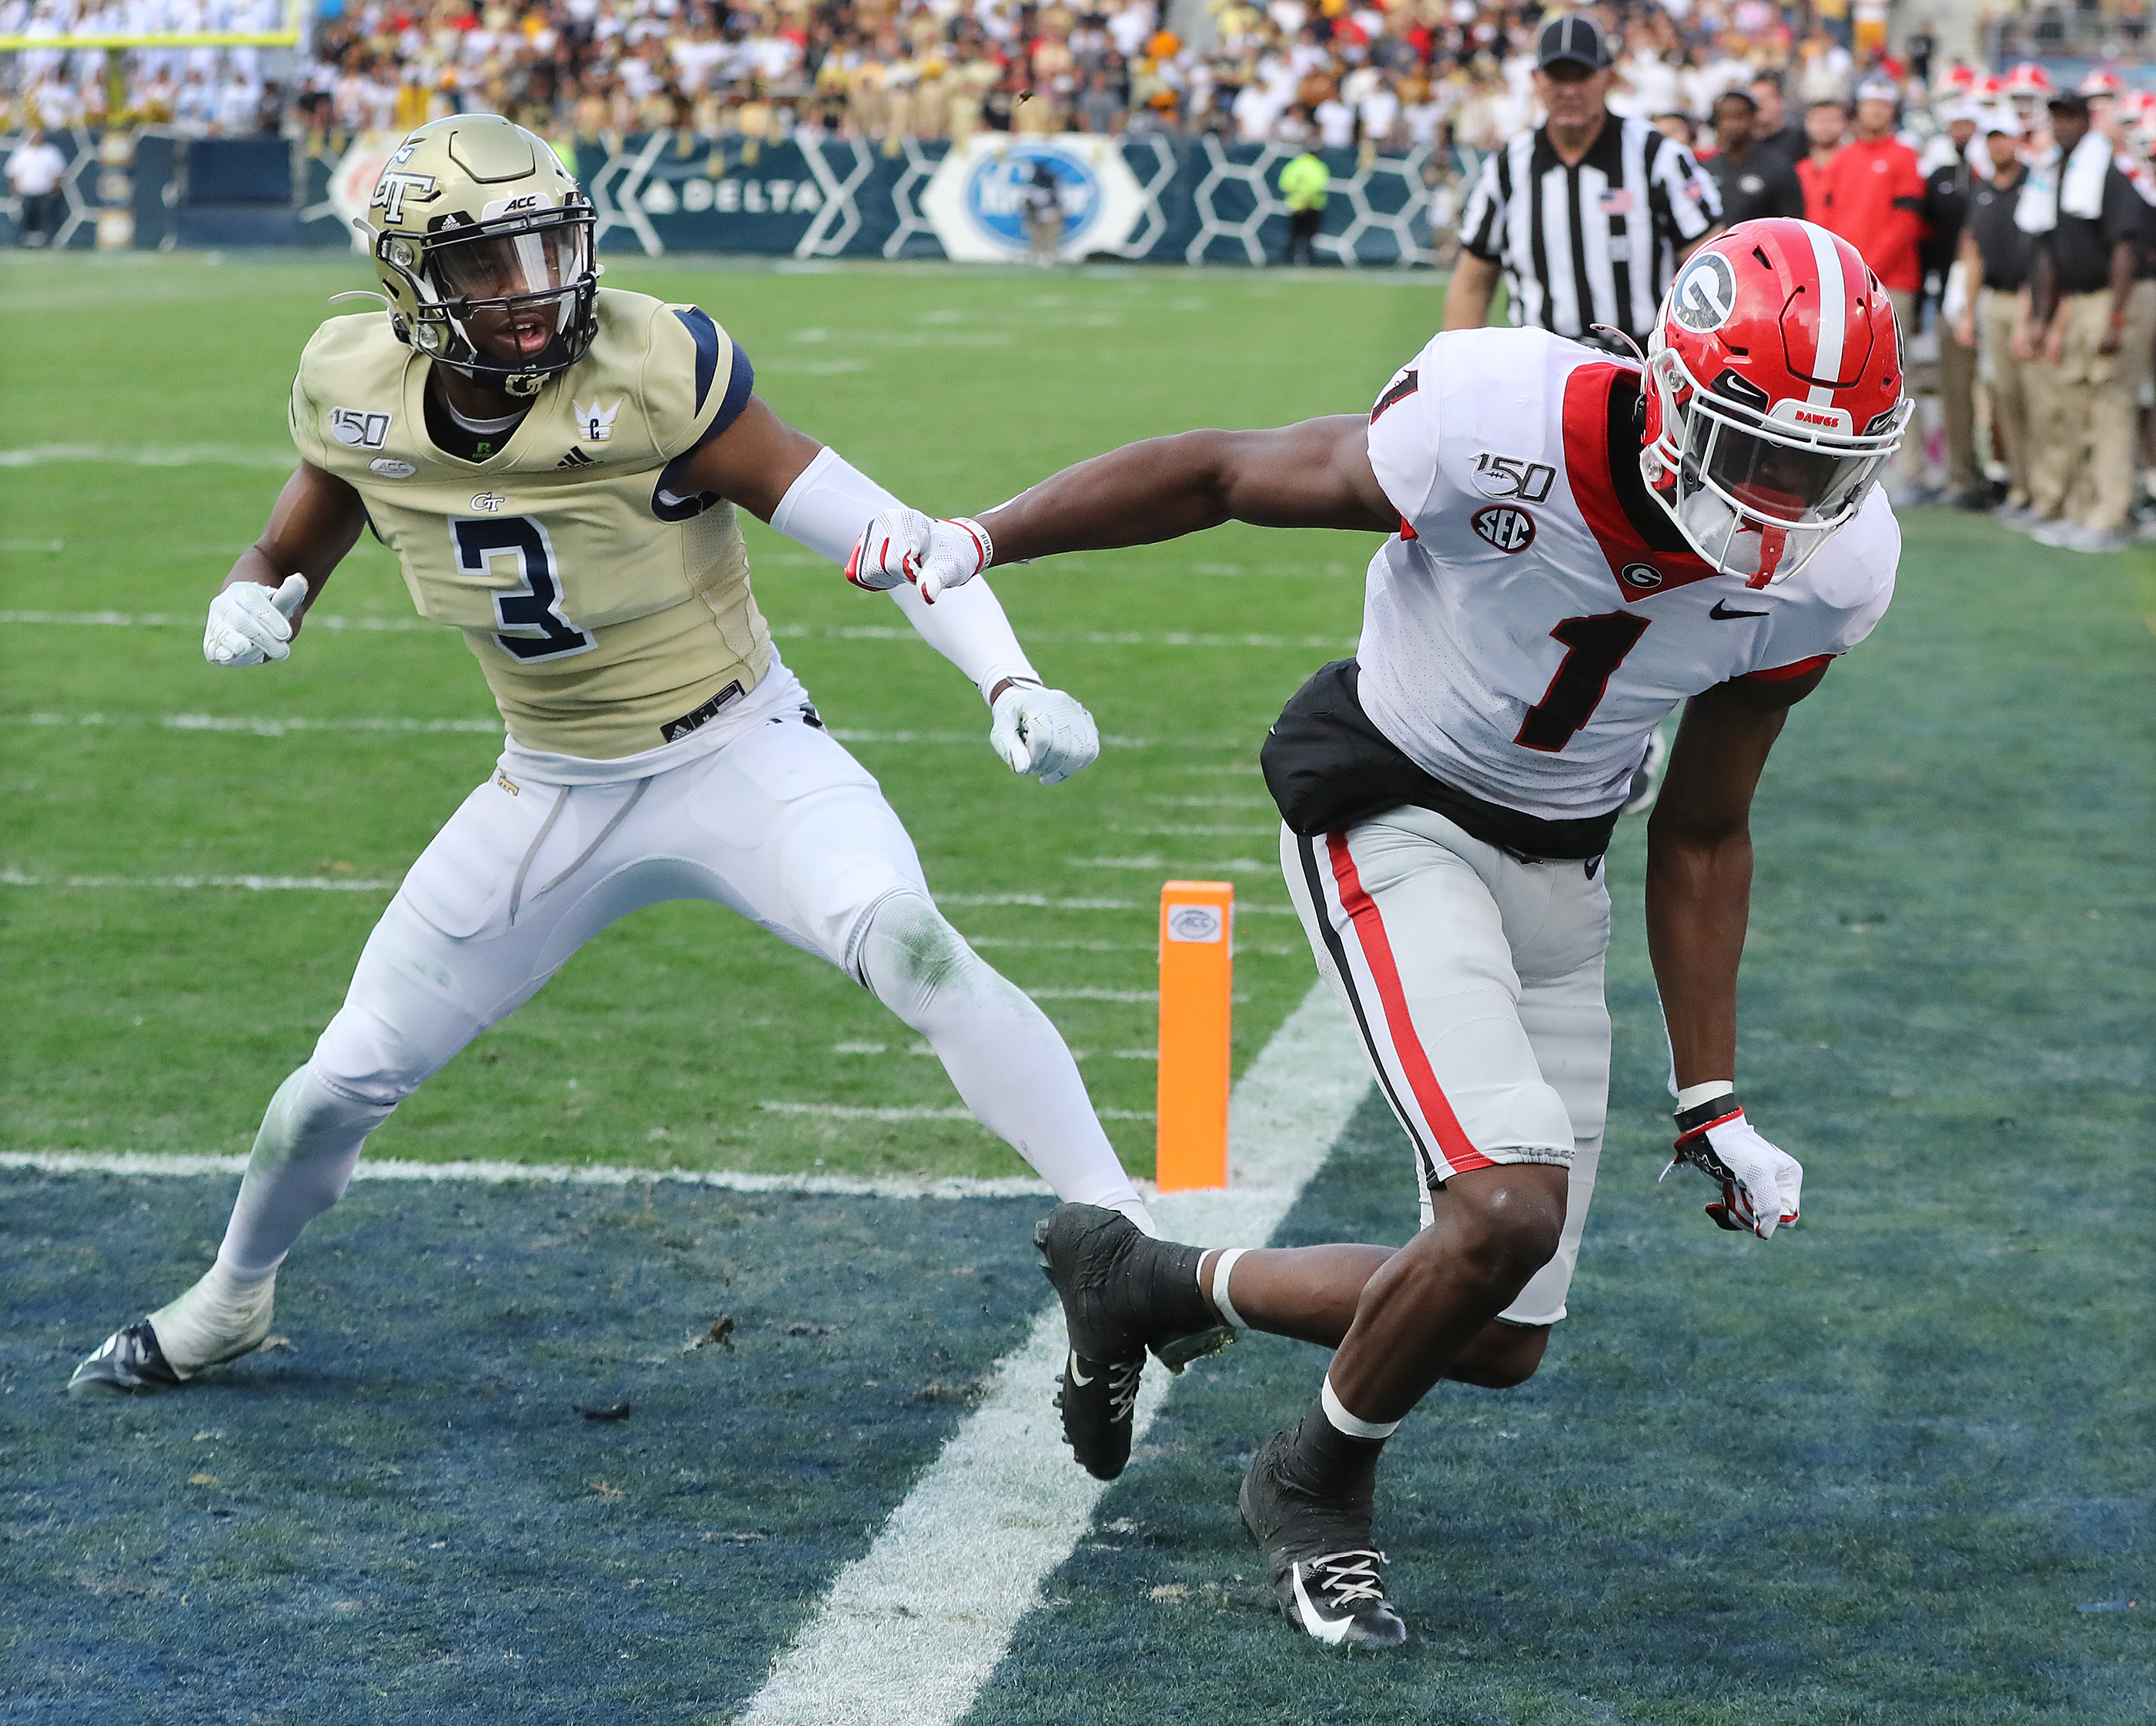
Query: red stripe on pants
[[1378, 955]]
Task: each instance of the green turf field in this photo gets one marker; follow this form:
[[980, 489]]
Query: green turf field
[[1870, 1473], [160, 1019]]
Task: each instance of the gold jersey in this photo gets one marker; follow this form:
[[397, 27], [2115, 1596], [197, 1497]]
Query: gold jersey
[[609, 606]]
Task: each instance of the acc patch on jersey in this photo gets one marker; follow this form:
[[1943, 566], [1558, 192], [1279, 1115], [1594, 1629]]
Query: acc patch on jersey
[[1502, 525]]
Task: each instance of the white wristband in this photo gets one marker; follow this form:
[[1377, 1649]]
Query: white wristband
[[1693, 1096], [1221, 1304]]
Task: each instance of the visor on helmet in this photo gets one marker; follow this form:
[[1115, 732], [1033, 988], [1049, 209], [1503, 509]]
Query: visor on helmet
[[498, 268], [1758, 493]]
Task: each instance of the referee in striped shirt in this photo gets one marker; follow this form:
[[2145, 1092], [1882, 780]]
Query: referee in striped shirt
[[1588, 216]]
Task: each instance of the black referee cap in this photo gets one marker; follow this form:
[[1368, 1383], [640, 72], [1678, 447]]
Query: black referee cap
[[1575, 38]]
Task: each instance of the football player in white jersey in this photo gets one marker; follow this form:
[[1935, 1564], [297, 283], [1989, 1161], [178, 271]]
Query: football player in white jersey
[[1574, 546], [557, 468]]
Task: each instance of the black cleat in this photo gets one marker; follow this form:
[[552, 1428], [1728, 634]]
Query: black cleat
[[1317, 1551], [130, 1363], [1123, 1293]]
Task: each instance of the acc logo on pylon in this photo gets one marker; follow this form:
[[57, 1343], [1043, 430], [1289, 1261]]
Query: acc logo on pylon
[[1507, 528]]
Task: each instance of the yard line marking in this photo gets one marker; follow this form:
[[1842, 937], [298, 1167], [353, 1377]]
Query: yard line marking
[[353, 884], [782, 632], [251, 883], [152, 456], [862, 1112], [922, 1618], [1234, 865], [497, 1173], [264, 727], [270, 727]]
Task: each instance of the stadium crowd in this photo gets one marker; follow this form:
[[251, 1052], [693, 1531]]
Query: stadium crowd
[[1782, 105], [1341, 73]]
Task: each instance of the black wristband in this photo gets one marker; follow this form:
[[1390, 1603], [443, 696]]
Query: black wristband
[[1707, 1114]]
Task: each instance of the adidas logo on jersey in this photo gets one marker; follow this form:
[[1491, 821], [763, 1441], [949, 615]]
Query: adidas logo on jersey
[[575, 458]]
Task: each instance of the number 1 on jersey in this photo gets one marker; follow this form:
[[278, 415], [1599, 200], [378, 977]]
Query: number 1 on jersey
[[1594, 648], [536, 603]]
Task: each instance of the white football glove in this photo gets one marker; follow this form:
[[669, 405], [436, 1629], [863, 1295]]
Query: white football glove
[[1761, 1184], [249, 623], [1043, 732], [903, 545]]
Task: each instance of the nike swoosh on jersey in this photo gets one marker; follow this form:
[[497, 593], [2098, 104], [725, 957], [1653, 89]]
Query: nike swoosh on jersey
[[1725, 613], [1077, 1377], [1326, 1630]]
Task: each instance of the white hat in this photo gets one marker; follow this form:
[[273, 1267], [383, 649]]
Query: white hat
[[2003, 118]]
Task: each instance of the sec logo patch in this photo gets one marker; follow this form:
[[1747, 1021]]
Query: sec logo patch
[[1507, 528]]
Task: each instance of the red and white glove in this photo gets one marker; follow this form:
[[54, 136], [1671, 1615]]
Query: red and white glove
[[903, 545], [1761, 1184]]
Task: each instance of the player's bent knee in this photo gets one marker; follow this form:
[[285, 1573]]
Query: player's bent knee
[[1505, 1221], [1502, 1356], [916, 962]]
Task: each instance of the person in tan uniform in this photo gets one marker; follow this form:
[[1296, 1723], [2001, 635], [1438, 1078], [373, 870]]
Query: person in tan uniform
[[2093, 319], [558, 468]]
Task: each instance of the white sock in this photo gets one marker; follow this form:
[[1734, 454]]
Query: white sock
[[1009, 1062], [221, 1318], [1223, 1267], [304, 1152], [1336, 1411]]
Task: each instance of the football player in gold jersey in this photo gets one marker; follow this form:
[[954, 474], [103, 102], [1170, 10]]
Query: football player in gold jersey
[[557, 468]]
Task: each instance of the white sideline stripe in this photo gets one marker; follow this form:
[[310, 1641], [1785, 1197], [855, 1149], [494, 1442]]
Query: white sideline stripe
[[553, 1173], [1233, 866], [863, 1111], [914, 1627]]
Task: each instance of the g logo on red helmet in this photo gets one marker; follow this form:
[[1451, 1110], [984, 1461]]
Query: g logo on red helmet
[[1705, 297]]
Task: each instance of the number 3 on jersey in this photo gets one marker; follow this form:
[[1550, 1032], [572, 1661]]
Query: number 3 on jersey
[[535, 606], [1594, 648]]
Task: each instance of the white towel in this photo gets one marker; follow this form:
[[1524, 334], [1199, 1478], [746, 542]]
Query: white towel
[[2043, 196]]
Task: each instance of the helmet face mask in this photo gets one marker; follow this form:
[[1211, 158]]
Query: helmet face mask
[[1757, 462], [483, 243]]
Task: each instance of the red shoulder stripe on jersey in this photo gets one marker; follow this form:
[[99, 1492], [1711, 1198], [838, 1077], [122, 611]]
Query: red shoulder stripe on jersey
[[1406, 387], [1399, 1024], [1586, 461], [1777, 673]]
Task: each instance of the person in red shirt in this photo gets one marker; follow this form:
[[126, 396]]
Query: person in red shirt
[[1873, 197], [1826, 130]]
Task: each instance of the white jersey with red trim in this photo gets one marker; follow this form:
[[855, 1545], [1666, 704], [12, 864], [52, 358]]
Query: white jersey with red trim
[[1520, 639]]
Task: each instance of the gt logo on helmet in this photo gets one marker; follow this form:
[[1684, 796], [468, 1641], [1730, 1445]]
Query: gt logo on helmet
[[394, 186], [1705, 294]]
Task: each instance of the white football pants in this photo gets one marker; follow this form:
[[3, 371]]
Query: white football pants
[[782, 825], [1477, 982]]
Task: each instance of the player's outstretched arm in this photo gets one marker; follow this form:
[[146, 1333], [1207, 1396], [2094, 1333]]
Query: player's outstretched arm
[[1316, 474], [1698, 899], [815, 497], [317, 519]]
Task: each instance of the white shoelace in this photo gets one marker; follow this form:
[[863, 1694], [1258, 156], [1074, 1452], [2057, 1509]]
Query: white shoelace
[[1348, 1577]]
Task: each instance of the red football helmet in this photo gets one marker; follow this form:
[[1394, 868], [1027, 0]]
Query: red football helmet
[[2028, 82], [1774, 396]]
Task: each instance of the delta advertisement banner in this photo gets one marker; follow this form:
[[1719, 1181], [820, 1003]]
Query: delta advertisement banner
[[1138, 198]]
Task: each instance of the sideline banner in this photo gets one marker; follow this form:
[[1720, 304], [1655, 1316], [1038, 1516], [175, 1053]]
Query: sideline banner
[[1147, 198]]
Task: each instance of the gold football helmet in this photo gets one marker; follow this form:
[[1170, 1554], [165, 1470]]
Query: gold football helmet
[[483, 242]]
